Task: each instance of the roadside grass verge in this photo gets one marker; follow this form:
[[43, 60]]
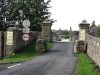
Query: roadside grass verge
[[49, 45], [26, 54], [84, 66]]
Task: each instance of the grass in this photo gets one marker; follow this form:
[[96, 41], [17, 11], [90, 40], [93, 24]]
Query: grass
[[26, 54], [84, 66], [49, 45]]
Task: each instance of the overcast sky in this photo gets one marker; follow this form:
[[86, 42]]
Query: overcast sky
[[72, 12]]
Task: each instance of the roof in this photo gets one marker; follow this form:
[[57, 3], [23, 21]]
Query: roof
[[84, 22], [93, 25]]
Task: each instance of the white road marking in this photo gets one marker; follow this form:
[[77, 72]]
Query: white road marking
[[13, 66]]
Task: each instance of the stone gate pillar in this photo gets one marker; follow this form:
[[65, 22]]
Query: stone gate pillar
[[80, 44], [46, 30], [83, 29]]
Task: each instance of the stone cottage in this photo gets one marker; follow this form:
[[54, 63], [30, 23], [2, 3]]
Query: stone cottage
[[92, 29]]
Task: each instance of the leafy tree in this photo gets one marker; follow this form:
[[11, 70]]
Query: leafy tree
[[34, 10], [4, 12], [98, 31]]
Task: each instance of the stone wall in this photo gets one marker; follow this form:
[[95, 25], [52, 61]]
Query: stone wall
[[93, 48], [18, 43]]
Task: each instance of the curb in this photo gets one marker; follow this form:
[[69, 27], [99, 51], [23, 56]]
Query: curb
[[11, 63]]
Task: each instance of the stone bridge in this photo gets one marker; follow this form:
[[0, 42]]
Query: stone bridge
[[91, 43]]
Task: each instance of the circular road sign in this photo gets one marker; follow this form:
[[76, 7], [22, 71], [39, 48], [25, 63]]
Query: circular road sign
[[26, 23], [25, 37]]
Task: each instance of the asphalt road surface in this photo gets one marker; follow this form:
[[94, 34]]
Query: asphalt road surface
[[57, 61]]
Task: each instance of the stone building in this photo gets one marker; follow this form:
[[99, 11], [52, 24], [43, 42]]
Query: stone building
[[92, 29], [46, 33], [61, 34]]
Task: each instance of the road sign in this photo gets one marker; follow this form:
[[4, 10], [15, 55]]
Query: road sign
[[25, 37], [26, 23], [26, 30]]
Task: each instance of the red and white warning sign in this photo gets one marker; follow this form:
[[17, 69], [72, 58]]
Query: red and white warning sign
[[25, 37]]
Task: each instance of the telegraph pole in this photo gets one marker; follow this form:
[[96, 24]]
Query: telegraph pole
[[70, 34]]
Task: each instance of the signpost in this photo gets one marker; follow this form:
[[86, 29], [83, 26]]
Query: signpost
[[26, 23], [25, 37], [26, 30]]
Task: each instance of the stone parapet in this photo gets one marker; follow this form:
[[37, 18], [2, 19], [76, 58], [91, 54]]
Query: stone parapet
[[93, 48]]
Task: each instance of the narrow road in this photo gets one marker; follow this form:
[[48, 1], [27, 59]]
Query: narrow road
[[57, 61]]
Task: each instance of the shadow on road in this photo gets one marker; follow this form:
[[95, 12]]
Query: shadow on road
[[53, 51]]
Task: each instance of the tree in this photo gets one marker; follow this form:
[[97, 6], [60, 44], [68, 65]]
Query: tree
[[4, 12], [34, 10], [98, 31]]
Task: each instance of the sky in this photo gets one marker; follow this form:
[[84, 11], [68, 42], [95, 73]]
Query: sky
[[69, 13]]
